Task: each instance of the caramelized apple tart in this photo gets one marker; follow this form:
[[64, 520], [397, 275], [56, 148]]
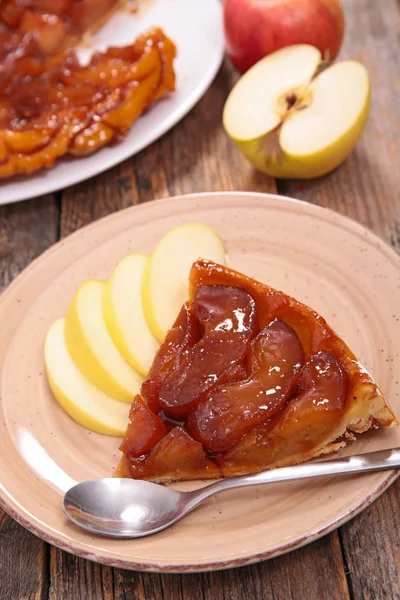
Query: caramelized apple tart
[[247, 379], [50, 104], [37, 29]]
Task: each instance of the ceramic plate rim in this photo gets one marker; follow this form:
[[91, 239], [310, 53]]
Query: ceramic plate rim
[[11, 505]]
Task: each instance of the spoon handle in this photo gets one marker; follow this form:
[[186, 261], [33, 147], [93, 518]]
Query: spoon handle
[[372, 461]]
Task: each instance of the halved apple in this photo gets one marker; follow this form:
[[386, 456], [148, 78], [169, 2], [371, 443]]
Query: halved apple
[[290, 121], [92, 348], [77, 395], [165, 282], [124, 315]]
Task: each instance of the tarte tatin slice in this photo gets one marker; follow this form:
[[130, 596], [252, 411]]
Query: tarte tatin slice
[[247, 379]]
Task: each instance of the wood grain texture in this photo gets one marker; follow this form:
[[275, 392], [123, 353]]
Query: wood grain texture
[[72, 577], [371, 548], [289, 577], [26, 230], [367, 188], [23, 562]]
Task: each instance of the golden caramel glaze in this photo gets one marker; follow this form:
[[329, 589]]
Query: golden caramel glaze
[[55, 107], [294, 393], [182, 336], [314, 332], [42, 28], [274, 358], [32, 31], [227, 321]]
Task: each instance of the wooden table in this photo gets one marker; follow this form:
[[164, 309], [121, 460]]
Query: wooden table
[[362, 559]]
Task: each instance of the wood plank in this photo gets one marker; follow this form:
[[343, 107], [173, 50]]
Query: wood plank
[[26, 230], [23, 562], [367, 188], [72, 577], [371, 544], [312, 572]]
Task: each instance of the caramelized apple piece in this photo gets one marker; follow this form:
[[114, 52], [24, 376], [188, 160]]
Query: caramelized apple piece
[[50, 25], [228, 318], [144, 431], [232, 410], [302, 426], [91, 138], [317, 408], [183, 335], [176, 456], [49, 31], [28, 140]]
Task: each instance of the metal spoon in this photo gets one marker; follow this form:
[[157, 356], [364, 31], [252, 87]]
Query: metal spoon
[[128, 508]]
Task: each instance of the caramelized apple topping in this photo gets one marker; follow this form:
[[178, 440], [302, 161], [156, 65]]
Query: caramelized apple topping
[[318, 404], [147, 429], [236, 400], [32, 32], [183, 335], [302, 425], [275, 357], [177, 454], [56, 106], [228, 320]]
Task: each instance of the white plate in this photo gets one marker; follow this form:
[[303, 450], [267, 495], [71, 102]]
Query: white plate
[[196, 28]]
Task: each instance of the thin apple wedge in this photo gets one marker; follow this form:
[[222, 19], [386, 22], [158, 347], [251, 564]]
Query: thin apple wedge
[[92, 348], [124, 315], [290, 121], [76, 394], [165, 282]]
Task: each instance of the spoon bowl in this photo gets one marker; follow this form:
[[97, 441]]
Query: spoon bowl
[[123, 508]]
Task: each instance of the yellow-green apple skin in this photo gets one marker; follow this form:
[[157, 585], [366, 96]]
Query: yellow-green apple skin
[[87, 405], [314, 136], [166, 277], [124, 314], [92, 348]]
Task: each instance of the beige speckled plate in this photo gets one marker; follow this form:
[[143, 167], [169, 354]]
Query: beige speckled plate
[[333, 264]]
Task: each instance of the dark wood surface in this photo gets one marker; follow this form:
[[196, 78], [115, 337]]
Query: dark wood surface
[[362, 559]]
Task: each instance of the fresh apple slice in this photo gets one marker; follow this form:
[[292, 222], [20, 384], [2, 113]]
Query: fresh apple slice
[[91, 347], [124, 315], [165, 282], [77, 395], [289, 122]]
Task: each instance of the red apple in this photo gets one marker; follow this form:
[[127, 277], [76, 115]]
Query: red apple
[[255, 28]]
